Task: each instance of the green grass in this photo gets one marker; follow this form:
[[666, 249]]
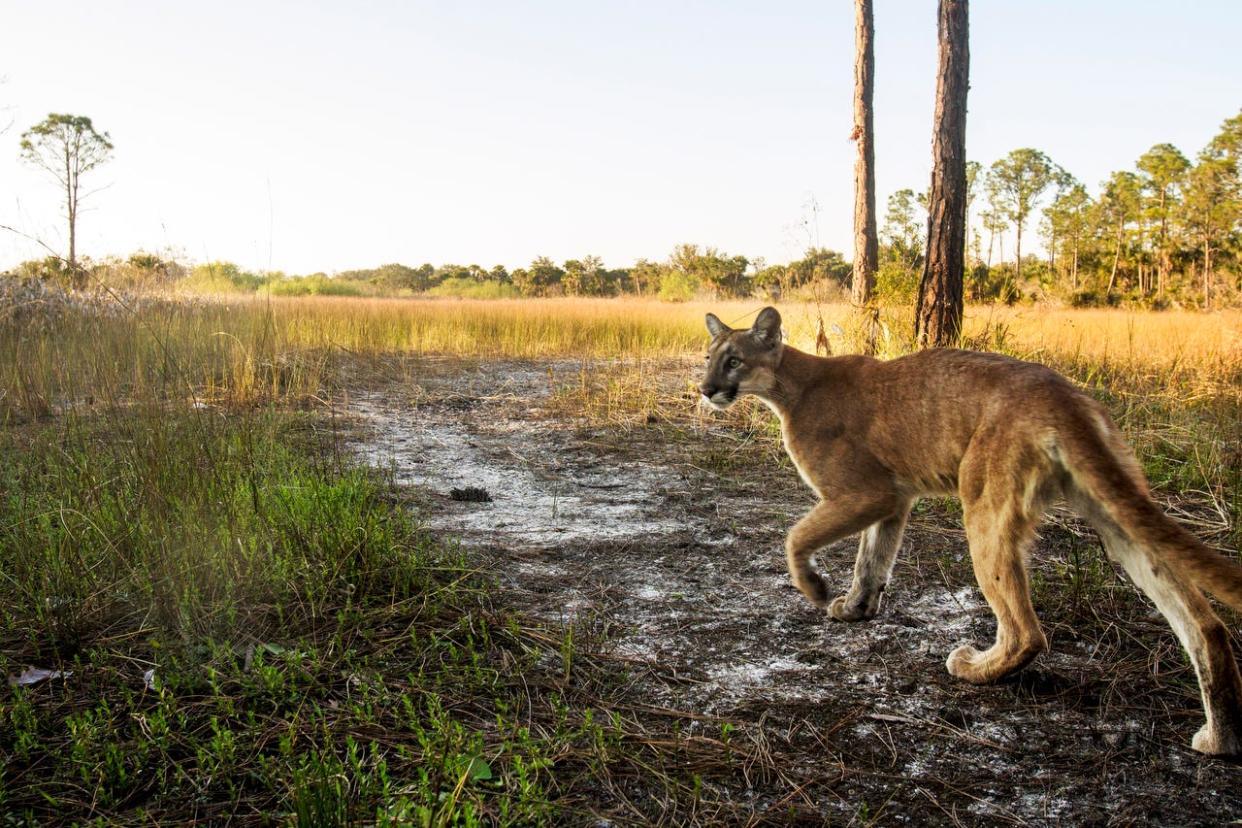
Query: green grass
[[318, 659], [259, 580]]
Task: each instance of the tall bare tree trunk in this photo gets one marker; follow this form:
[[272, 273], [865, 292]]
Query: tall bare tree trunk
[[1017, 272], [1074, 273], [866, 242], [1144, 274], [71, 208], [1112, 277], [1164, 251], [73, 236], [938, 315], [1207, 271]]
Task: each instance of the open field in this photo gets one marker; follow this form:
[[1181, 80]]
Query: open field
[[253, 500]]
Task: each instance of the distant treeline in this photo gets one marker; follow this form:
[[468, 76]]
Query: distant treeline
[[1167, 232], [690, 271]]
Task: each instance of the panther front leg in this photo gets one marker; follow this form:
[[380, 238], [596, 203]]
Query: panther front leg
[[877, 551], [829, 522]]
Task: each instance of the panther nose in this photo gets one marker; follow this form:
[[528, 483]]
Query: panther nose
[[708, 390]]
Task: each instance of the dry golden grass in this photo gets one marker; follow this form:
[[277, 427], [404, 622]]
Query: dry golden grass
[[1189, 344], [1202, 350], [249, 349], [1172, 379]]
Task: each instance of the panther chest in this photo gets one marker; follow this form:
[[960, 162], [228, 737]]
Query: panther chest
[[799, 453]]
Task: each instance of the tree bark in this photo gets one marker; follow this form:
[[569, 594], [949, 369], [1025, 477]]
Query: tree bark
[[866, 242], [938, 314], [1164, 252], [1017, 272], [1074, 273], [71, 209], [1143, 275], [1112, 277], [1207, 271], [73, 234]]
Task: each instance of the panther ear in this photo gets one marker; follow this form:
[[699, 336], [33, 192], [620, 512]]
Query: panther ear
[[715, 327], [767, 327]]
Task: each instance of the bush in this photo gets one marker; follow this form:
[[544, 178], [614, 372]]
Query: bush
[[1089, 298], [221, 277], [678, 286], [317, 284], [896, 284], [141, 271], [50, 269], [466, 288]]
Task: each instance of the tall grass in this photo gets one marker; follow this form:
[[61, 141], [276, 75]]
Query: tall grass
[[167, 350], [249, 631], [200, 523], [281, 347], [288, 349], [1171, 379]]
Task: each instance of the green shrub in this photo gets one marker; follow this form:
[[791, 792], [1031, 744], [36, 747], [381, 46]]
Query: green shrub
[[466, 288], [678, 286], [48, 269], [221, 277], [317, 284], [896, 283]]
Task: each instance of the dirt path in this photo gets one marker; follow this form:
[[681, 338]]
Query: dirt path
[[680, 564]]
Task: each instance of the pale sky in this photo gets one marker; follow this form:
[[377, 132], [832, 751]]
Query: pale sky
[[313, 136]]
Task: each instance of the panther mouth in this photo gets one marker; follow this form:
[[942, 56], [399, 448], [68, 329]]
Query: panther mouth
[[718, 401]]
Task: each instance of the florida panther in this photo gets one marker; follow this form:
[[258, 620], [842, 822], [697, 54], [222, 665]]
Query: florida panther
[[1008, 438]]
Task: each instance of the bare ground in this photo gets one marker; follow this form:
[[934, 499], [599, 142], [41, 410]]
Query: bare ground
[[665, 540]]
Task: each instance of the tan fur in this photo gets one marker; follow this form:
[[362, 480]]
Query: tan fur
[[1007, 437]]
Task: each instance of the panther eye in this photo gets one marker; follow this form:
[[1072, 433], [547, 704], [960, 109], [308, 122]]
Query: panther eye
[[733, 363]]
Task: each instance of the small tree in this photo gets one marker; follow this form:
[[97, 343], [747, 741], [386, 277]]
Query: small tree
[[726, 275], [1120, 203], [646, 276], [902, 231], [1212, 209], [1067, 220], [585, 277], [66, 146], [573, 282], [1017, 181], [542, 278], [1213, 197], [994, 222], [1165, 168]]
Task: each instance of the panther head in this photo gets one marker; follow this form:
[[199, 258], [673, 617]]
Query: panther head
[[741, 361]]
